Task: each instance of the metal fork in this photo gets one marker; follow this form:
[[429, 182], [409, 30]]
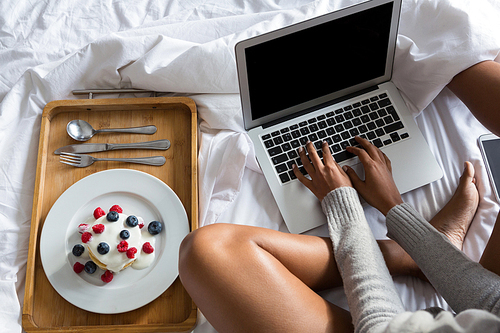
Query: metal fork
[[81, 161]]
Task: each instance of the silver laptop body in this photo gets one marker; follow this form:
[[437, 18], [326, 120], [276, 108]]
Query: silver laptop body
[[328, 78]]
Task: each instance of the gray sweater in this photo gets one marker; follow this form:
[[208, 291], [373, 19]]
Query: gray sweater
[[372, 298]]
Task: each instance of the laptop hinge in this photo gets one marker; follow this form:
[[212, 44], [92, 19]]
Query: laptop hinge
[[320, 106]]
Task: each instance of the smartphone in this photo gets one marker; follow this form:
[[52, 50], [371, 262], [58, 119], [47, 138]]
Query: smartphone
[[490, 149]]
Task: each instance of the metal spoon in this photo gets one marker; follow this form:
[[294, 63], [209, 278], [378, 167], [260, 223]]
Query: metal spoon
[[81, 130]]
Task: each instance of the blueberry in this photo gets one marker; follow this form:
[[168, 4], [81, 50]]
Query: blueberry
[[78, 250], [112, 216], [90, 267], [154, 228], [103, 248], [124, 234], [132, 221]]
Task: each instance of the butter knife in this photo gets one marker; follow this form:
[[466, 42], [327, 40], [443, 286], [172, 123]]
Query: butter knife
[[97, 147]]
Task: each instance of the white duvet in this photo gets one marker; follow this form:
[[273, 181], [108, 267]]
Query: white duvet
[[48, 49]]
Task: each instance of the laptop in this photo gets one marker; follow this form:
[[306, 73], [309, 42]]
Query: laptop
[[328, 79]]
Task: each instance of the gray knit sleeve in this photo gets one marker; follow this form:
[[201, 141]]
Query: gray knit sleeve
[[371, 295], [463, 283]]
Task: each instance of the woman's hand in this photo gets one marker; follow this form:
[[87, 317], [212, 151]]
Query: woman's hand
[[378, 188], [325, 176]]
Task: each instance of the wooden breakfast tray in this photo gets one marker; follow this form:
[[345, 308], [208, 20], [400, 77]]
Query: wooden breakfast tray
[[176, 119]]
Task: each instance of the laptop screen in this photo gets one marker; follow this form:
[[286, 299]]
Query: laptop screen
[[314, 62]]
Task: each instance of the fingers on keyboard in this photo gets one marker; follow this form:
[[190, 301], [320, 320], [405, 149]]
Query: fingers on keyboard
[[374, 119]]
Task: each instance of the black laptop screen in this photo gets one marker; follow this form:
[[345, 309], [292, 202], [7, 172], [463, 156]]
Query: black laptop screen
[[318, 61]]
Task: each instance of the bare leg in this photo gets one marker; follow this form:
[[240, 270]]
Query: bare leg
[[248, 279], [257, 280], [398, 261], [479, 88]]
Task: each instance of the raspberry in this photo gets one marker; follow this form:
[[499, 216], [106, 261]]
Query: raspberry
[[107, 277], [98, 228], [148, 248], [86, 237], [122, 246], [116, 208], [141, 225], [131, 253], [83, 227], [78, 268], [98, 212]]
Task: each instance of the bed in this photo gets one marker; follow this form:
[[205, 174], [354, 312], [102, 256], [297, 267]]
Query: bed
[[186, 48]]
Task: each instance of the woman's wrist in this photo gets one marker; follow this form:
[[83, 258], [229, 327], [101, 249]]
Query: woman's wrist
[[390, 205]]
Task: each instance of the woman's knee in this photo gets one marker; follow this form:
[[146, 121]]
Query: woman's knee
[[204, 248]]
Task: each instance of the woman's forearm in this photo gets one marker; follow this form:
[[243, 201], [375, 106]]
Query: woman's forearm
[[463, 283], [371, 295]]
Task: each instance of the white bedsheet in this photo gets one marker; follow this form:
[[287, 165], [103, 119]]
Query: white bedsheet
[[48, 49]]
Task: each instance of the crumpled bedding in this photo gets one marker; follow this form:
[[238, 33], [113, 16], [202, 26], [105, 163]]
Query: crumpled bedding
[[186, 47]]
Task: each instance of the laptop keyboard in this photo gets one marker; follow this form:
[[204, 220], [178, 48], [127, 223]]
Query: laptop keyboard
[[374, 119]]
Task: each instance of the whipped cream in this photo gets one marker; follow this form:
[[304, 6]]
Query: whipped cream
[[114, 260]]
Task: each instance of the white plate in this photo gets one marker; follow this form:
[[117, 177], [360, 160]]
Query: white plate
[[138, 193]]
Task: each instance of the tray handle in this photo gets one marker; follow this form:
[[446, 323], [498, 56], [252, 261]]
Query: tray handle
[[91, 92]]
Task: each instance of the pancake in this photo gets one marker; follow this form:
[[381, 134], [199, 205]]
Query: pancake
[[103, 266]]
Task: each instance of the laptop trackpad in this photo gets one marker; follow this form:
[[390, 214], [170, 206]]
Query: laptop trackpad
[[358, 168], [360, 171]]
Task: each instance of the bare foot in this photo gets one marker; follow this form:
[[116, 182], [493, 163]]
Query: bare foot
[[456, 216]]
